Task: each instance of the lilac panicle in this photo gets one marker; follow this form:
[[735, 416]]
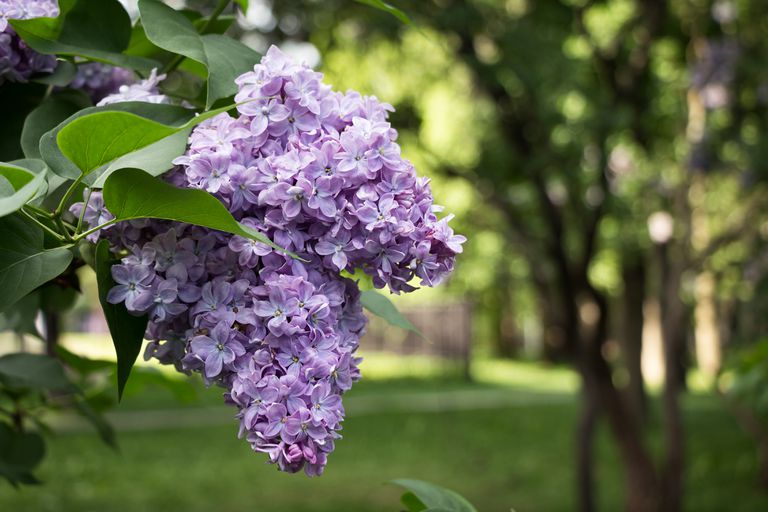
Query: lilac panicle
[[320, 173]]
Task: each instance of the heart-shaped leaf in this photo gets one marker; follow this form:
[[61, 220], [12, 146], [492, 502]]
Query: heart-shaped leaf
[[32, 371], [154, 159], [134, 194], [224, 58], [102, 136], [95, 29], [60, 165], [25, 263], [24, 185], [53, 110], [434, 497]]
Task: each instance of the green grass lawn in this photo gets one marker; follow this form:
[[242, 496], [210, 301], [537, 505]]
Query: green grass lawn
[[499, 457]]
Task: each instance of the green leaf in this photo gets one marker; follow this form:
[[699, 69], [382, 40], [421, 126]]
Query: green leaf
[[223, 57], [25, 185], [52, 111], [243, 4], [412, 503], [62, 76], [435, 497], [183, 84], [154, 159], [127, 330], [386, 7], [36, 166], [381, 306], [32, 371], [20, 454], [62, 166], [95, 29], [171, 30], [134, 194], [102, 136], [227, 59], [25, 263]]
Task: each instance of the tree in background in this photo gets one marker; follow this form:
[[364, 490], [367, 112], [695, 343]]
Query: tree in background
[[615, 153]]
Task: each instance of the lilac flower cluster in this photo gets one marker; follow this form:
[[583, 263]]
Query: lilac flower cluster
[[99, 80], [18, 62], [320, 173]]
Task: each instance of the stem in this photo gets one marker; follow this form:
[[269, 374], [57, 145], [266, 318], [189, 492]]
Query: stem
[[82, 213], [46, 228], [214, 15], [60, 208], [60, 223], [39, 211], [52, 322], [177, 60], [93, 230]]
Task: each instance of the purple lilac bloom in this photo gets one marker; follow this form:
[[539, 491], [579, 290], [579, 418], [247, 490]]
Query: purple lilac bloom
[[320, 173], [99, 80], [18, 62]]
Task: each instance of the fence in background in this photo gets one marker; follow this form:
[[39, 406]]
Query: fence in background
[[447, 330]]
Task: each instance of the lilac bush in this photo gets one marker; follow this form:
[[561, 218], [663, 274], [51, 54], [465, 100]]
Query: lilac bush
[[320, 173]]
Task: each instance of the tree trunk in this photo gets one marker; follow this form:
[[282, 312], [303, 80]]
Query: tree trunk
[[505, 339], [673, 337], [633, 274], [641, 482], [52, 321], [585, 451]]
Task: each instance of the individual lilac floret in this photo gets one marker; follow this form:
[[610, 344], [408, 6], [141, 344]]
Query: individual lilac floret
[[320, 173], [18, 62]]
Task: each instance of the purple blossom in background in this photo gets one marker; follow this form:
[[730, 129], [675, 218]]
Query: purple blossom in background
[[99, 80], [320, 173], [145, 90], [18, 62]]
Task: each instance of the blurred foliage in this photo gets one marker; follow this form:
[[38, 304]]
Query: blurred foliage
[[747, 380], [618, 108]]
